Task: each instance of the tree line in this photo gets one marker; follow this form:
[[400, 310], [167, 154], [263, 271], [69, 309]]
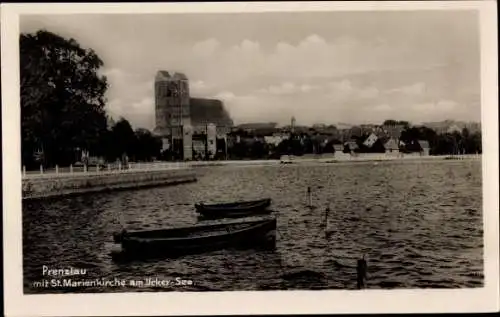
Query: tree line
[[463, 142]]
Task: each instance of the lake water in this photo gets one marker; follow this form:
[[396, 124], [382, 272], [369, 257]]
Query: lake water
[[419, 224]]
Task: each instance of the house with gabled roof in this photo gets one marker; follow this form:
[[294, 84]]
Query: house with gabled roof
[[338, 148], [424, 147], [351, 146], [391, 146]]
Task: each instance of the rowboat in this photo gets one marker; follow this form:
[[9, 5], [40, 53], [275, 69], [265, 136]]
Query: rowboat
[[198, 238], [235, 207], [233, 214]]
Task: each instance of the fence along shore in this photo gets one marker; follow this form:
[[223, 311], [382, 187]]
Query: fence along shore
[[59, 182]]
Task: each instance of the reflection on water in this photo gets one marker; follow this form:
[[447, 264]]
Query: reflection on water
[[418, 223]]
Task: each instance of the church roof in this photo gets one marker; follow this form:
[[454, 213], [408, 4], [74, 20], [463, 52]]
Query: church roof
[[204, 111]]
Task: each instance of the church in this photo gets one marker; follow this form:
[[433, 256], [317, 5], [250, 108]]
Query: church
[[189, 127]]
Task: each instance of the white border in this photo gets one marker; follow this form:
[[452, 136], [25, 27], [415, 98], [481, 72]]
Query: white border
[[268, 302]]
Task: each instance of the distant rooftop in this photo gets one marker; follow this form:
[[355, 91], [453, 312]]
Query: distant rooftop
[[258, 125], [424, 144], [163, 74], [391, 144], [352, 145]]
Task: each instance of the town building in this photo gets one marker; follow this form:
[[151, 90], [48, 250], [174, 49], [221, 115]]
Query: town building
[[183, 122], [454, 128], [250, 127], [356, 131], [473, 127], [393, 131], [424, 147], [351, 146], [275, 139], [209, 111], [338, 148], [391, 146]]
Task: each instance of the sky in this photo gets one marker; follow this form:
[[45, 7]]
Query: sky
[[320, 67]]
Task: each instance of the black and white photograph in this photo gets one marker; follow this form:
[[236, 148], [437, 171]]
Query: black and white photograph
[[203, 152]]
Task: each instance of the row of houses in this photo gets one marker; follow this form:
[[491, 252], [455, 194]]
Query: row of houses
[[389, 144], [383, 137], [343, 134], [392, 145]]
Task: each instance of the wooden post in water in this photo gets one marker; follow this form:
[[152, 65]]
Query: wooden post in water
[[71, 168], [41, 169], [325, 221], [309, 196], [24, 170], [57, 169], [361, 269]]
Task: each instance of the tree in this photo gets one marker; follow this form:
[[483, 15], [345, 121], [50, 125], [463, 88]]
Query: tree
[[239, 150], [390, 122], [329, 148], [411, 136], [123, 140], [147, 146], [347, 148], [62, 98], [445, 144], [258, 150], [405, 124]]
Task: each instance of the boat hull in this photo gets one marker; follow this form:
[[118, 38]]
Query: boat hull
[[221, 210], [233, 214], [260, 235]]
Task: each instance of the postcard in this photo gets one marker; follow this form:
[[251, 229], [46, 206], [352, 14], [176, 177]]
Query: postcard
[[250, 158]]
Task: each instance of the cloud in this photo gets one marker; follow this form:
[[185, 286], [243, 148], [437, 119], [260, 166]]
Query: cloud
[[370, 92], [440, 106], [343, 86], [206, 48], [342, 90], [415, 89], [275, 82], [225, 96], [307, 88], [285, 88], [199, 88], [146, 103], [113, 73], [440, 110], [131, 96], [288, 88], [382, 108], [246, 47]]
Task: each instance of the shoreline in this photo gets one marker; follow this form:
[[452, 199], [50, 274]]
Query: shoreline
[[335, 159], [40, 188], [376, 157]]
